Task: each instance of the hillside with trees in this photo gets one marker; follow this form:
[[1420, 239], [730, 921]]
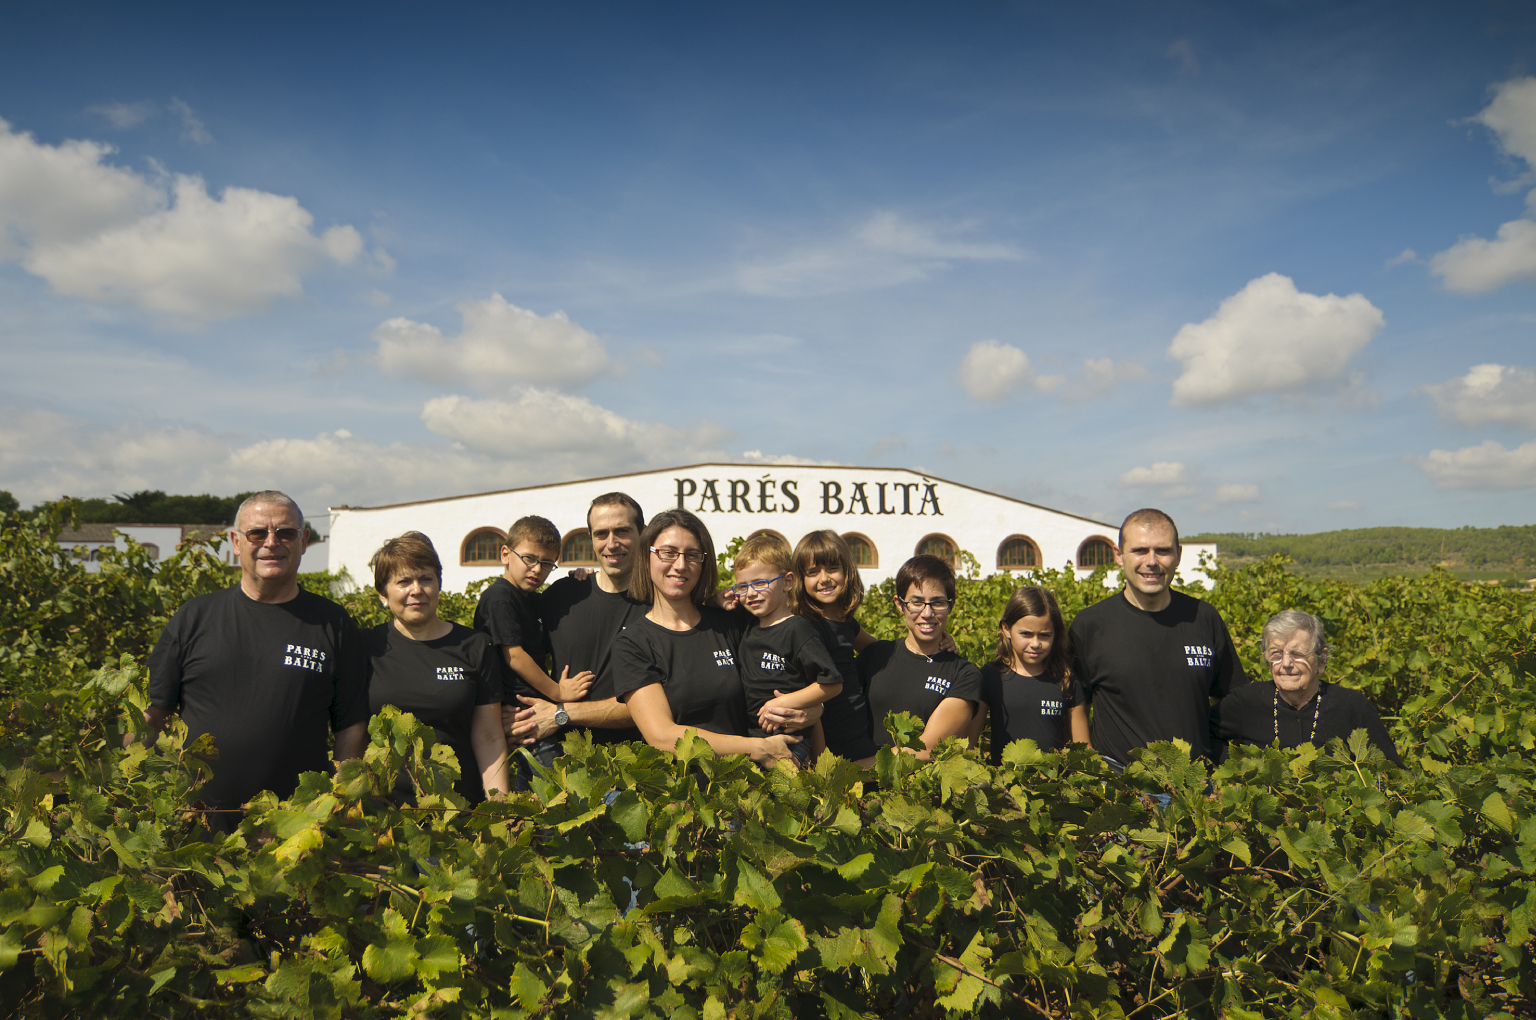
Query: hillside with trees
[[1476, 547]]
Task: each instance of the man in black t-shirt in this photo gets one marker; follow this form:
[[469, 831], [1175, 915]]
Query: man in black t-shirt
[[1150, 658], [581, 618], [265, 667]]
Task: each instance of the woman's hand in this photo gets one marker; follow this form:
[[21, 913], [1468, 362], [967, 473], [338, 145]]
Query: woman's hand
[[771, 750], [574, 688], [778, 717]]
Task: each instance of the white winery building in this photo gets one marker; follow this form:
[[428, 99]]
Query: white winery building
[[887, 515]]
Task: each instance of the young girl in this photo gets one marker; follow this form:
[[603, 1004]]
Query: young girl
[[1029, 689], [785, 664], [828, 591]]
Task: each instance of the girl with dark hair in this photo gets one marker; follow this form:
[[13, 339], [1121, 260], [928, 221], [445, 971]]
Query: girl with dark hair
[[829, 590], [1028, 688], [676, 667]]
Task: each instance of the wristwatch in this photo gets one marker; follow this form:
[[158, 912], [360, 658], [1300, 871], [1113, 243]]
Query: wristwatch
[[562, 717]]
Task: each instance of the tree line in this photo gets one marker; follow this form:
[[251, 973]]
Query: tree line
[[1508, 544]]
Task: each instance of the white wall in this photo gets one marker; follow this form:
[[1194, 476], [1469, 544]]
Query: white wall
[[977, 521]]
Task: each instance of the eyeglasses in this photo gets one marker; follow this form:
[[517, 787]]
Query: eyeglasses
[[745, 586], [916, 606], [534, 561], [667, 554], [1276, 656], [257, 536]]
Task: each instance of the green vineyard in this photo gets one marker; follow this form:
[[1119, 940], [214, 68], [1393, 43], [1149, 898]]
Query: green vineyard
[[632, 883]]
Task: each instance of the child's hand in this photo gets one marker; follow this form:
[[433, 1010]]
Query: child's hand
[[726, 598], [574, 688], [778, 717], [581, 573]]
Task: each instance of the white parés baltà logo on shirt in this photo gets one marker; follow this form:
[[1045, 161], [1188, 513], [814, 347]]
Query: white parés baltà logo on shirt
[[725, 658], [772, 662], [305, 658], [449, 674], [1051, 708], [937, 684], [1199, 655]]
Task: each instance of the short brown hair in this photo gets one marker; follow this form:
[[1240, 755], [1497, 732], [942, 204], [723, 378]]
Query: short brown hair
[[537, 530], [1147, 517], [622, 499], [925, 567], [410, 551], [771, 550], [640, 587], [827, 549]]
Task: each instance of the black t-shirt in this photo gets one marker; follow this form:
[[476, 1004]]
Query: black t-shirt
[[1250, 715], [439, 682], [898, 679], [511, 617], [787, 656], [845, 718], [268, 680], [1027, 707], [696, 667], [1149, 676], [581, 621]]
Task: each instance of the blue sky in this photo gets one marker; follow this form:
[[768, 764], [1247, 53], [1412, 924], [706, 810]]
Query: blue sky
[[1267, 266]]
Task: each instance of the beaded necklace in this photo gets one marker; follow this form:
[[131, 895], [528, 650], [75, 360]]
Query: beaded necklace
[[1317, 709]]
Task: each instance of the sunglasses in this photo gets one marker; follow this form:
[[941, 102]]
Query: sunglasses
[[257, 536]]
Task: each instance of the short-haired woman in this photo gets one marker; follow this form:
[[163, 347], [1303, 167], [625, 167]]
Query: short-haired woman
[[1298, 706], [1029, 688], [444, 674], [676, 667], [916, 674]]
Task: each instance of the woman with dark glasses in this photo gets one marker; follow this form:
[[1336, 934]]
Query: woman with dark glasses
[[916, 675], [676, 667]]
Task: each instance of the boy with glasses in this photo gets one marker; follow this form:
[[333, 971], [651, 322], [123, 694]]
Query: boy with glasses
[[916, 675], [509, 612], [785, 667]]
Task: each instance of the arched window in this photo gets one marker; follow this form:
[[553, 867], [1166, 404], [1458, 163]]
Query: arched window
[[772, 534], [1096, 552], [576, 550], [483, 548], [864, 552], [1018, 553], [941, 546], [153, 550]]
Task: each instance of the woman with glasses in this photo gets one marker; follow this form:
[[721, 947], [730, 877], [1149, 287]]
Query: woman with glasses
[[1298, 706], [916, 674], [676, 667]]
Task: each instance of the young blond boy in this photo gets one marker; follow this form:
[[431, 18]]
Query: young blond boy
[[785, 667]]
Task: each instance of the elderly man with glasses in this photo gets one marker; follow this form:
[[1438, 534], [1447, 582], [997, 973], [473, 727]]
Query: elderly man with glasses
[[266, 668]]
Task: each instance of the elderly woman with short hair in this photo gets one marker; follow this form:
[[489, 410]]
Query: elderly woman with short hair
[[1297, 707]]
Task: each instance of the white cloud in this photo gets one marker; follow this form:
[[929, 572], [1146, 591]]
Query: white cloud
[[109, 234], [1270, 337], [1488, 466], [1238, 493], [192, 129], [1099, 376], [884, 251], [500, 344], [124, 115], [568, 436], [1184, 52], [1474, 264], [1403, 257], [1489, 394], [992, 371], [759, 457], [1345, 504], [1171, 478], [44, 454]]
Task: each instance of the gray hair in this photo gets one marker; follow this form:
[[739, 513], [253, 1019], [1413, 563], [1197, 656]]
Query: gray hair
[[270, 497], [1287, 622]]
